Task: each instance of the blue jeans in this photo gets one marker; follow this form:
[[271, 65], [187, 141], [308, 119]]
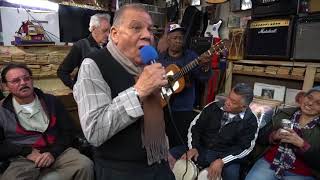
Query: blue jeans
[[261, 170], [229, 172]]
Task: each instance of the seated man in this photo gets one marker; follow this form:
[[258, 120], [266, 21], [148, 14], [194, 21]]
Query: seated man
[[222, 134], [293, 153], [35, 132]]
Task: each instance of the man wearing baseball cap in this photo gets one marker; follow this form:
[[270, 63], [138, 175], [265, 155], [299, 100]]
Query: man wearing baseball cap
[[181, 103]]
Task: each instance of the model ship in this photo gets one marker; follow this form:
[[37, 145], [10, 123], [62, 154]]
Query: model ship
[[31, 34]]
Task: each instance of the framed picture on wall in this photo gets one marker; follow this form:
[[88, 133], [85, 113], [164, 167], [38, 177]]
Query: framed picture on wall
[[269, 91]]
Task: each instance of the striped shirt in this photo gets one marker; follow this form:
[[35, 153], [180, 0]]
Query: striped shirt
[[101, 117]]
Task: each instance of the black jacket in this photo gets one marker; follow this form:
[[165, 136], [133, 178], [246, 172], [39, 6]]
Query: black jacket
[[78, 52], [233, 141], [16, 141]]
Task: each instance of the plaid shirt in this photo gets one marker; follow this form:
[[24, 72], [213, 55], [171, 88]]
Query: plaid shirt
[[101, 117]]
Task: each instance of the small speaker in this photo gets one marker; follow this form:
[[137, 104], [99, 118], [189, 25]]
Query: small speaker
[[269, 38], [264, 8], [307, 38], [200, 44]]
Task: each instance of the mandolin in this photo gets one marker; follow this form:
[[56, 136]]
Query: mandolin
[[175, 75]]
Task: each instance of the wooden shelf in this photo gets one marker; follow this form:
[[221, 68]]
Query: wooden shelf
[[307, 80], [281, 76], [277, 63]]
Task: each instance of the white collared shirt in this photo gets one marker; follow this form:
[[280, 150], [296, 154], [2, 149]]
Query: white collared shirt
[[31, 116]]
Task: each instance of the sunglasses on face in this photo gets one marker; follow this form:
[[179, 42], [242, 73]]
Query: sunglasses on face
[[19, 79]]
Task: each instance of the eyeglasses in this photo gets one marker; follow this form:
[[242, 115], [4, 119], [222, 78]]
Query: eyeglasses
[[19, 79]]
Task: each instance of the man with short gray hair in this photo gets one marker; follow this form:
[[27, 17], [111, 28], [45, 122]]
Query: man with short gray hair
[[222, 134], [99, 27], [118, 101]]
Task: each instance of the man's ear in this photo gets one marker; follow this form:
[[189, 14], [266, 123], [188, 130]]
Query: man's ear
[[114, 34], [167, 37], [299, 97], [244, 107], [4, 87]]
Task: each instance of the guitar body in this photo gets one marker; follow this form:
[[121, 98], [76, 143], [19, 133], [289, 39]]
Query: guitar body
[[213, 29], [175, 75], [177, 86], [180, 83]]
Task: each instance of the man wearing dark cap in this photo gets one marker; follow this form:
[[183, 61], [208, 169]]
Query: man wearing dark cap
[[182, 103]]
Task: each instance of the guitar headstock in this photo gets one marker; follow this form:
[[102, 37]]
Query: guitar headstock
[[220, 47]]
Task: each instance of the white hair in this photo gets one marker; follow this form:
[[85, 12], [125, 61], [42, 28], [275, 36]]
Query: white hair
[[95, 20]]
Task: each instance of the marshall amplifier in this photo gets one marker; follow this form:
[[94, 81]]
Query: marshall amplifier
[[269, 38], [307, 38], [263, 8]]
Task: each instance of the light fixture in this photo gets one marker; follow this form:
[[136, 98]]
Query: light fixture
[[36, 3]]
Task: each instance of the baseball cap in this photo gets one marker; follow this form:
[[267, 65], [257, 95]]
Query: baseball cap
[[175, 27]]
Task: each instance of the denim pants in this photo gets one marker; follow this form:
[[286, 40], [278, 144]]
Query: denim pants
[[230, 171], [261, 170]]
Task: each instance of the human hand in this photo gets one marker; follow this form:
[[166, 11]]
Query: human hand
[[33, 155], [190, 154], [152, 78], [276, 136], [44, 160], [215, 169], [291, 137]]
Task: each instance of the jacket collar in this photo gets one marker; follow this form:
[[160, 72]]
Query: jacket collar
[[243, 115], [7, 102], [92, 41]]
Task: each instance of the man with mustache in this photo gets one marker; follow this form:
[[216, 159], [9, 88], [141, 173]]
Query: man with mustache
[[182, 103], [99, 27], [36, 132], [221, 135], [119, 103]]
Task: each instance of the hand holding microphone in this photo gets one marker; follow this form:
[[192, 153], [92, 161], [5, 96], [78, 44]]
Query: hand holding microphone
[[153, 76]]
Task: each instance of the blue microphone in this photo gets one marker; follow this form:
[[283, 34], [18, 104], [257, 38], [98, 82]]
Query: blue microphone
[[148, 54]]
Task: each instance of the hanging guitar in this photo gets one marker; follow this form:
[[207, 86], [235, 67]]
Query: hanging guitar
[[175, 74]]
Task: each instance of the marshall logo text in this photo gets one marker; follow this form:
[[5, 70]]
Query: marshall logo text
[[269, 31]]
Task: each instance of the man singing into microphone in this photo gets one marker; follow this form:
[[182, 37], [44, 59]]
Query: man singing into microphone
[[118, 103]]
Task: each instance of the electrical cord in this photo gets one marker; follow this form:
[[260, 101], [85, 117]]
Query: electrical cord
[[167, 99]]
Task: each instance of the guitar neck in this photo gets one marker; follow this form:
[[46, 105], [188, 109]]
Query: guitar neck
[[186, 69], [190, 66]]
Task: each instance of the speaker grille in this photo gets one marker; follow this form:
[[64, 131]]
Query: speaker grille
[[307, 40]]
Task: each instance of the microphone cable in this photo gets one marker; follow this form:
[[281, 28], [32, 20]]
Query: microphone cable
[[167, 99]]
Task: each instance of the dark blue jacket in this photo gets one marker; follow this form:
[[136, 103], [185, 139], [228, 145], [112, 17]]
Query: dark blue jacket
[[184, 101]]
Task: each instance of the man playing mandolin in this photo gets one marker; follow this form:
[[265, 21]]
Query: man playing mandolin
[[182, 102]]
